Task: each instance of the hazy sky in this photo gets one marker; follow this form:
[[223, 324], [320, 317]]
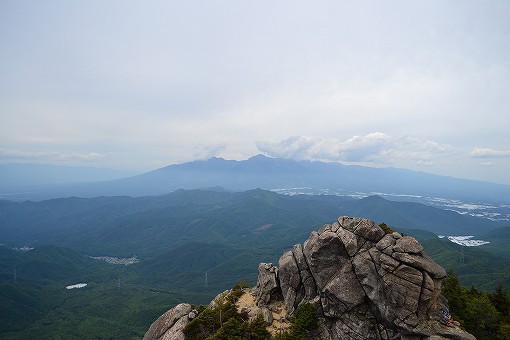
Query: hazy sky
[[123, 84]]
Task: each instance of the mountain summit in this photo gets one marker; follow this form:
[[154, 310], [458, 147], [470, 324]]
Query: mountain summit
[[276, 173], [363, 282]]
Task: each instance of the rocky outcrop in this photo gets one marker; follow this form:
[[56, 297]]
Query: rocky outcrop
[[268, 287], [170, 325], [364, 283]]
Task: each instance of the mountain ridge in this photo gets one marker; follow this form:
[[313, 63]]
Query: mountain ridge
[[270, 173], [75, 221]]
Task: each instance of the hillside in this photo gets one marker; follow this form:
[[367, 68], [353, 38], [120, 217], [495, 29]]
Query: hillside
[[149, 226], [36, 304], [188, 233]]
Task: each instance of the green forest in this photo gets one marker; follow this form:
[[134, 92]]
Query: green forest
[[486, 315]]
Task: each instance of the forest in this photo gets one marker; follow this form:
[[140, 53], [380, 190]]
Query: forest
[[486, 315]]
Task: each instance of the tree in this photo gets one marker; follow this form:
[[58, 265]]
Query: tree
[[477, 310], [481, 318], [235, 329], [456, 295], [501, 300], [305, 320]]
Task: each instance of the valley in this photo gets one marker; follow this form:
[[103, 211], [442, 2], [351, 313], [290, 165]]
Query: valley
[[190, 244]]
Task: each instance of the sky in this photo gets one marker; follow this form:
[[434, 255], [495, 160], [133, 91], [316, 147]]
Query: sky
[[138, 85]]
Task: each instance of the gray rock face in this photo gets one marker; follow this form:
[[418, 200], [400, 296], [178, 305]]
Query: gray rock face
[[268, 288], [170, 325], [364, 284]]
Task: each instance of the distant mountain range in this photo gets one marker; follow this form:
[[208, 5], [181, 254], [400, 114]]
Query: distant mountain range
[[273, 173], [23, 175], [148, 226], [225, 233]]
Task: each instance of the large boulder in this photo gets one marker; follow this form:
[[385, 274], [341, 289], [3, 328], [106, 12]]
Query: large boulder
[[364, 283], [170, 325]]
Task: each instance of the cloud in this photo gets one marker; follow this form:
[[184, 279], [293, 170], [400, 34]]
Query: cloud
[[489, 153], [376, 147], [208, 151], [356, 148], [19, 155], [295, 147], [364, 148]]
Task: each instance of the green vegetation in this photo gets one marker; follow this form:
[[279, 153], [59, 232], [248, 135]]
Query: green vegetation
[[302, 324], [386, 228], [234, 329], [474, 265], [36, 304], [151, 226], [485, 315], [499, 240], [223, 322], [100, 310]]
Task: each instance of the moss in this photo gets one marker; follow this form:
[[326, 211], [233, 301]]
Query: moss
[[386, 228]]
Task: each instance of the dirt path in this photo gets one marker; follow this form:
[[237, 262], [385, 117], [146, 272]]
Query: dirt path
[[246, 303]]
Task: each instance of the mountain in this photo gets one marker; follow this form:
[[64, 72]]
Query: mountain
[[404, 215], [479, 266], [499, 239], [188, 233], [273, 173], [148, 226], [45, 264]]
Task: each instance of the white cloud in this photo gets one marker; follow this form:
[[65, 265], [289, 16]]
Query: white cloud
[[489, 153], [208, 151], [374, 147], [365, 148], [295, 147]]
